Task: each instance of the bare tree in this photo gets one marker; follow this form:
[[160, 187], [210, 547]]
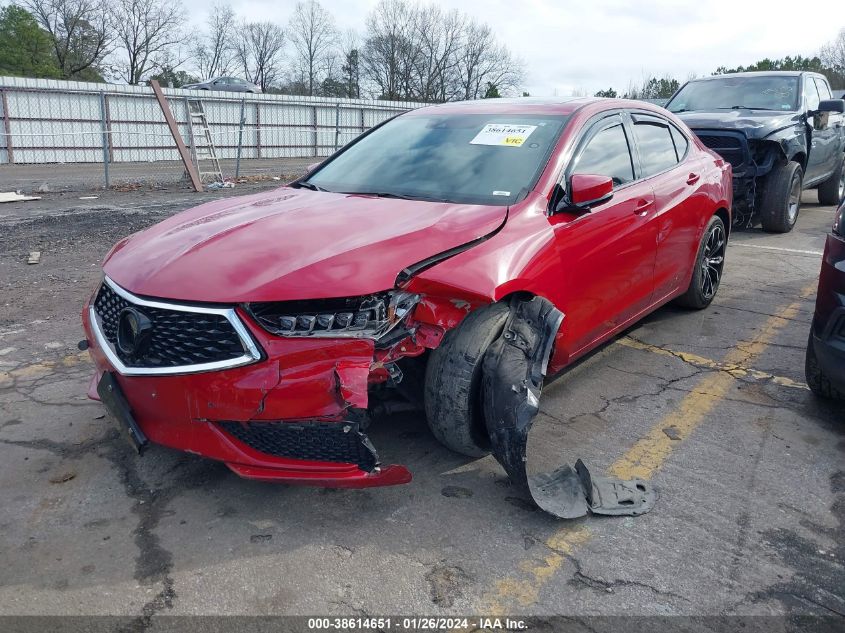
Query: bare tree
[[80, 32], [421, 52], [258, 47], [147, 31], [439, 40], [482, 63], [832, 54], [350, 56], [389, 48], [314, 36], [213, 54]]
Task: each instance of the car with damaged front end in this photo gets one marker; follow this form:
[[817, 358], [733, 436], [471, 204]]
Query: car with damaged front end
[[783, 132], [447, 260]]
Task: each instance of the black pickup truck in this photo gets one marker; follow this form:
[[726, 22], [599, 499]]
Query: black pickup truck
[[782, 132]]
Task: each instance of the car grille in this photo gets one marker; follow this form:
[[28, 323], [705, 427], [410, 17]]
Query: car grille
[[728, 147], [178, 338], [315, 441]]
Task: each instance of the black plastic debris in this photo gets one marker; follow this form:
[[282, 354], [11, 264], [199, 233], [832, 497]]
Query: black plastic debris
[[512, 382]]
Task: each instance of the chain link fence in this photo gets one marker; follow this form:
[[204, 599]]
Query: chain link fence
[[94, 135]]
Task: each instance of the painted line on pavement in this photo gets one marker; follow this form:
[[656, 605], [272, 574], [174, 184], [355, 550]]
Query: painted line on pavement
[[642, 461], [735, 370], [777, 248]]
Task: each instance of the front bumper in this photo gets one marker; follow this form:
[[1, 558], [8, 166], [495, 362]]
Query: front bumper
[[737, 150], [828, 332], [283, 418]]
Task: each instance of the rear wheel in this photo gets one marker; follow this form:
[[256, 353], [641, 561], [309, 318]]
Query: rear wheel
[[709, 263], [832, 190], [817, 381], [453, 382], [781, 199]]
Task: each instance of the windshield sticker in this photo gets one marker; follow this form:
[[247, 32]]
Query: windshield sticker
[[501, 193], [503, 134]]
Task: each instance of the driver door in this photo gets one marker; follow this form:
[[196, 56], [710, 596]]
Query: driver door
[[607, 255]]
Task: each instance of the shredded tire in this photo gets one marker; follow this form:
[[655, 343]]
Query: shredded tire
[[453, 382]]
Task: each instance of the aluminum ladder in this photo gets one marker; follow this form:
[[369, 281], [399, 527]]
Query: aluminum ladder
[[203, 151]]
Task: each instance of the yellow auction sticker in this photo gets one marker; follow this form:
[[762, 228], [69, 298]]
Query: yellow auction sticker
[[506, 134]]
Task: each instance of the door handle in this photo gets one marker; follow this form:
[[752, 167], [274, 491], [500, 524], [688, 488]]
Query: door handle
[[692, 179], [642, 206]]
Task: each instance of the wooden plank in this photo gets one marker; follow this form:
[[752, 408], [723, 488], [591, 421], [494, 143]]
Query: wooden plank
[[174, 130]]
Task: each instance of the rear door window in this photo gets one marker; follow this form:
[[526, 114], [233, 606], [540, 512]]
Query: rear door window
[[681, 142], [656, 147], [607, 154]]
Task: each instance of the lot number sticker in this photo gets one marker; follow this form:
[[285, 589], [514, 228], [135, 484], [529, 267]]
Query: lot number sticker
[[503, 134]]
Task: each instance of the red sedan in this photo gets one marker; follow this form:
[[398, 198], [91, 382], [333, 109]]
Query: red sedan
[[449, 258]]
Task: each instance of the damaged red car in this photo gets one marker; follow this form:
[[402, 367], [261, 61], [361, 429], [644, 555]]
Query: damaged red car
[[450, 258]]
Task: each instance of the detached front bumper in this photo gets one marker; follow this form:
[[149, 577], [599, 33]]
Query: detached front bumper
[[287, 417]]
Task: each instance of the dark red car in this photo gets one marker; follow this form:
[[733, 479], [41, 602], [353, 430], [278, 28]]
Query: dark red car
[[451, 257], [825, 360]]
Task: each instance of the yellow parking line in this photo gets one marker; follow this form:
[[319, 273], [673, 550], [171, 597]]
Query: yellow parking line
[[642, 461], [734, 369]]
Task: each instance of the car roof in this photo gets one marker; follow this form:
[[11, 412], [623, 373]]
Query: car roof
[[521, 105], [761, 73]]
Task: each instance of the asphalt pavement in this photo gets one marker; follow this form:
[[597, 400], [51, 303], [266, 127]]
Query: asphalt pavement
[[710, 406]]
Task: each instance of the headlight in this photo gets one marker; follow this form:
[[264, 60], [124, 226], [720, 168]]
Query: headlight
[[372, 316], [839, 221]]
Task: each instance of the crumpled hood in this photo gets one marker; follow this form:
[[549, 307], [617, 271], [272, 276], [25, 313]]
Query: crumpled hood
[[291, 244], [756, 124]]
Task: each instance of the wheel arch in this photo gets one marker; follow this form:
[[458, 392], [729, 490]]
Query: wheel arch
[[800, 158], [723, 213]]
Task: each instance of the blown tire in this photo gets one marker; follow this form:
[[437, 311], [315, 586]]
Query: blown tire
[[453, 382]]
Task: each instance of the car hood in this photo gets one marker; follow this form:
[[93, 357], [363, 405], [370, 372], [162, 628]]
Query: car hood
[[291, 244], [755, 124]]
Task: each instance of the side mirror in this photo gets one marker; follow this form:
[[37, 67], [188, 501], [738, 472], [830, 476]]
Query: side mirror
[[584, 192], [832, 105]]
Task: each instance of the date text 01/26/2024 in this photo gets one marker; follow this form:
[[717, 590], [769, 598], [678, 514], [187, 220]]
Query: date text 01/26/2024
[[415, 624]]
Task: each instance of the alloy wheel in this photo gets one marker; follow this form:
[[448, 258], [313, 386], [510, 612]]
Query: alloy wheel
[[794, 198], [712, 261]]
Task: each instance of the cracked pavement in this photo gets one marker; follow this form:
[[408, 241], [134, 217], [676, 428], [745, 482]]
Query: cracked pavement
[[749, 518]]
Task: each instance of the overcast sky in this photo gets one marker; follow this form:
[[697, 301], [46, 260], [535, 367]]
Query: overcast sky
[[569, 45]]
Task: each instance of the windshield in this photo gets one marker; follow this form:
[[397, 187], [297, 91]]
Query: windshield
[[738, 93], [466, 158]]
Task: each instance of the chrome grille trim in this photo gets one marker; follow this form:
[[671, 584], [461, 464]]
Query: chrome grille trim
[[251, 351]]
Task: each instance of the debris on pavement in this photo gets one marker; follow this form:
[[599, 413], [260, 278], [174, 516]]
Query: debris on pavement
[[228, 184], [16, 196], [34, 257], [63, 477]]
